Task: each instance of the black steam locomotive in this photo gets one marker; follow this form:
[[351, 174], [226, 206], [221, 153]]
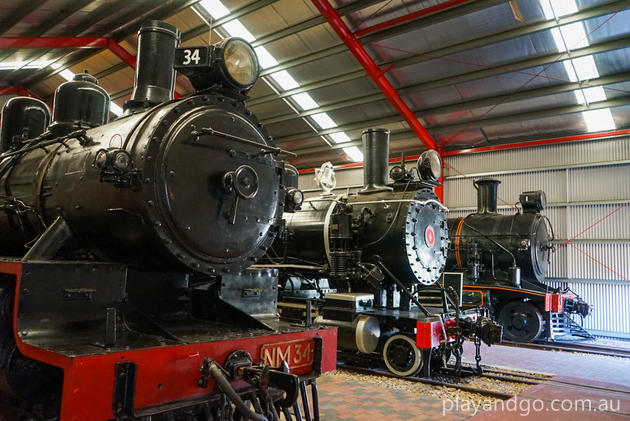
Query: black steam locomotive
[[124, 283], [367, 263], [504, 259]]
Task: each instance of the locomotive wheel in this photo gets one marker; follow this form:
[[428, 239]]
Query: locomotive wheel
[[401, 355], [521, 320]]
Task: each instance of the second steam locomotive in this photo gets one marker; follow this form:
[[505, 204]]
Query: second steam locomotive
[[368, 263]]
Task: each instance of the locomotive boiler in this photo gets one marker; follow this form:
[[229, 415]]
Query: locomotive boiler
[[363, 261], [505, 259], [124, 282]]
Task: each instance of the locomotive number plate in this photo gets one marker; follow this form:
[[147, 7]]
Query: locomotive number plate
[[191, 57], [297, 354]]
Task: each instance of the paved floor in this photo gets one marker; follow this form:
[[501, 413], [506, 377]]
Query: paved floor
[[589, 387], [348, 400], [592, 367]]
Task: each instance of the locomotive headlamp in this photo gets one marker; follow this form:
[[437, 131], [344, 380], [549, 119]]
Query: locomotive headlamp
[[240, 63], [100, 159], [430, 166], [231, 65], [122, 160]]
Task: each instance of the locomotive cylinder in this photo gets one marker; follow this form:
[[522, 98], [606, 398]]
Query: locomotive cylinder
[[376, 152], [155, 76]]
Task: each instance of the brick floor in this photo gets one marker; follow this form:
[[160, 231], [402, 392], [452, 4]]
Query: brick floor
[[348, 400], [581, 380]]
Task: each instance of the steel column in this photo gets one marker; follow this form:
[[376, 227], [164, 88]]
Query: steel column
[[373, 70]]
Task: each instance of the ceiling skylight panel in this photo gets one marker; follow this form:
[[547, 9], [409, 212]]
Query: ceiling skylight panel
[[339, 137], [590, 95], [599, 120], [568, 67], [574, 35], [324, 121], [285, 80], [585, 68], [558, 40], [354, 153], [115, 108], [558, 8], [215, 8], [236, 29], [66, 74], [265, 59], [305, 101]]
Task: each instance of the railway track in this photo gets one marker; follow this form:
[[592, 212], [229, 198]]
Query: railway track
[[494, 374], [574, 347]]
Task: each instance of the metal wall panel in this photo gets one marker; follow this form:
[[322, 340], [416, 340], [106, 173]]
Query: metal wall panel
[[599, 183], [610, 301], [461, 193], [560, 154]]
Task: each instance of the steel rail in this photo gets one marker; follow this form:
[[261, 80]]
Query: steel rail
[[432, 382]]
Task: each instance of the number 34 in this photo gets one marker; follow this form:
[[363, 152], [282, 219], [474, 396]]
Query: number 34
[[191, 55]]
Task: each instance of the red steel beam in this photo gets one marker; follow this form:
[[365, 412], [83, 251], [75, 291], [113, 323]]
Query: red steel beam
[[410, 16], [15, 90], [540, 142], [377, 75], [53, 42]]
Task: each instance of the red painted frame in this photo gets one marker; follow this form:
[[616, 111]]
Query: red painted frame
[[164, 374], [373, 71]]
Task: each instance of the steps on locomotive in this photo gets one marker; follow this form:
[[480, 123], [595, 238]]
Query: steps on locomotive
[[560, 326]]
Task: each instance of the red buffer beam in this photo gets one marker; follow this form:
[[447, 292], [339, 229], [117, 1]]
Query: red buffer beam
[[377, 75]]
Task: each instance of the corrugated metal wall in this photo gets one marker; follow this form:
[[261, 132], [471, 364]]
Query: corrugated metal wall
[[588, 191]]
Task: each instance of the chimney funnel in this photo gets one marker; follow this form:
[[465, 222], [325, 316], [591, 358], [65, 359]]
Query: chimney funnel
[[375, 160], [487, 195], [155, 76]]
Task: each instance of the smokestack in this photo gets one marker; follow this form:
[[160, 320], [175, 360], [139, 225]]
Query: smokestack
[[155, 76], [375, 159], [487, 195]]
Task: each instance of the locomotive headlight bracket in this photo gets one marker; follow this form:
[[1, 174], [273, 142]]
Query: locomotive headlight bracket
[[231, 65]]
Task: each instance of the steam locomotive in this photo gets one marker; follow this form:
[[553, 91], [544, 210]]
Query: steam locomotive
[[368, 263], [124, 283], [504, 259]]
